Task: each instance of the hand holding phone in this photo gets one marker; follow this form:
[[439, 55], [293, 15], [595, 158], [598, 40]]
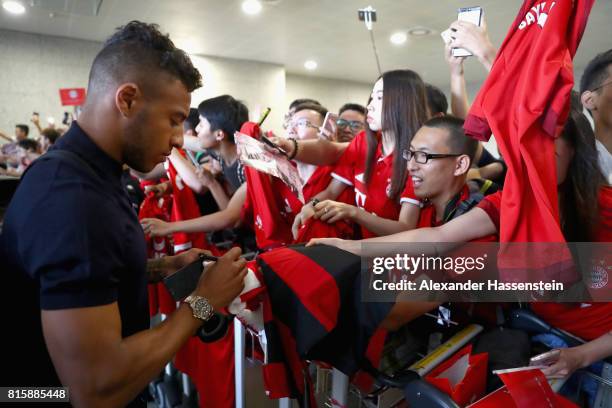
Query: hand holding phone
[[192, 158], [471, 15], [328, 130], [273, 145]]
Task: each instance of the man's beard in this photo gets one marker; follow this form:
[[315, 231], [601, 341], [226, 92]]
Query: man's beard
[[136, 145]]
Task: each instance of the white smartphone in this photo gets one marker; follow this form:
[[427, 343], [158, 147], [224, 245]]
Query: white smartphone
[[329, 124], [471, 15]]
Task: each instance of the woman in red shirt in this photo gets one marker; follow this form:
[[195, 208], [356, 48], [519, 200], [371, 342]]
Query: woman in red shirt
[[372, 164]]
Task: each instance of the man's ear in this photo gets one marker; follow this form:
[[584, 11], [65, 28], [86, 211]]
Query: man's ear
[[588, 100], [219, 135], [462, 165], [127, 98]]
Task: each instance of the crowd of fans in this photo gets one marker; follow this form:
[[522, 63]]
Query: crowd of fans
[[396, 169]]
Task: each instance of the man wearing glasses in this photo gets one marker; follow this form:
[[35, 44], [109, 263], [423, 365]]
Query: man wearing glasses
[[351, 120], [596, 96], [439, 158]]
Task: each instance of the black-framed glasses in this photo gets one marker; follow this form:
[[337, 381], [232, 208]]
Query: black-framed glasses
[[601, 86], [303, 123], [353, 124], [423, 157]]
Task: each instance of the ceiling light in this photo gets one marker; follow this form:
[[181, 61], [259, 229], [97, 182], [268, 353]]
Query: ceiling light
[[310, 65], [398, 38], [419, 31], [14, 7], [251, 6]]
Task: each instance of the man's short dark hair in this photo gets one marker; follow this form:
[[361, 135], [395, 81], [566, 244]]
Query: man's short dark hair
[[458, 141], [321, 110], [24, 128], [224, 113], [595, 72], [29, 144], [355, 107], [51, 134], [301, 101], [436, 100], [192, 120], [140, 52]]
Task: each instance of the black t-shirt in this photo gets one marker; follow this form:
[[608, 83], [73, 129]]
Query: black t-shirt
[[234, 174], [70, 239]]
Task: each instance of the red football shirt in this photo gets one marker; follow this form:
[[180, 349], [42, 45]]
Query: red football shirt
[[491, 204], [373, 197], [603, 230], [524, 102], [269, 208], [585, 320], [427, 216], [319, 180], [184, 207]]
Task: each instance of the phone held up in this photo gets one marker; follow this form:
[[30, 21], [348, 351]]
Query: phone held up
[[471, 15]]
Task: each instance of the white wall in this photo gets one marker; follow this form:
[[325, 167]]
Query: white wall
[[331, 93], [256, 84], [36, 66]]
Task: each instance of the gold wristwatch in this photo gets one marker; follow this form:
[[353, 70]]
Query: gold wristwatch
[[200, 307]]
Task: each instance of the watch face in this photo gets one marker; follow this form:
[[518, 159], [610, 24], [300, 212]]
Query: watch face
[[202, 309]]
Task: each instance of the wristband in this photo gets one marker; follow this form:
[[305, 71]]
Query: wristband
[[314, 202]]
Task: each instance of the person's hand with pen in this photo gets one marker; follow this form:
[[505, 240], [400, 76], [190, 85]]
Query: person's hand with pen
[[223, 279]]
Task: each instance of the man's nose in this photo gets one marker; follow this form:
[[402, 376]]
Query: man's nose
[[412, 165], [177, 139]]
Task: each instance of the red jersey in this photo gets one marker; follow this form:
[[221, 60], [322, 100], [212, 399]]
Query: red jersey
[[269, 208], [319, 180], [524, 102], [585, 320], [603, 230], [374, 197], [491, 204], [184, 207], [195, 358], [157, 247], [428, 216]]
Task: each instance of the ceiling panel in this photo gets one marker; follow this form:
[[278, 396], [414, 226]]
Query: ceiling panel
[[288, 32]]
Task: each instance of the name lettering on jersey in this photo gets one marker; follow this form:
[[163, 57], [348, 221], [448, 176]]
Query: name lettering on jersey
[[360, 198], [538, 14]]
